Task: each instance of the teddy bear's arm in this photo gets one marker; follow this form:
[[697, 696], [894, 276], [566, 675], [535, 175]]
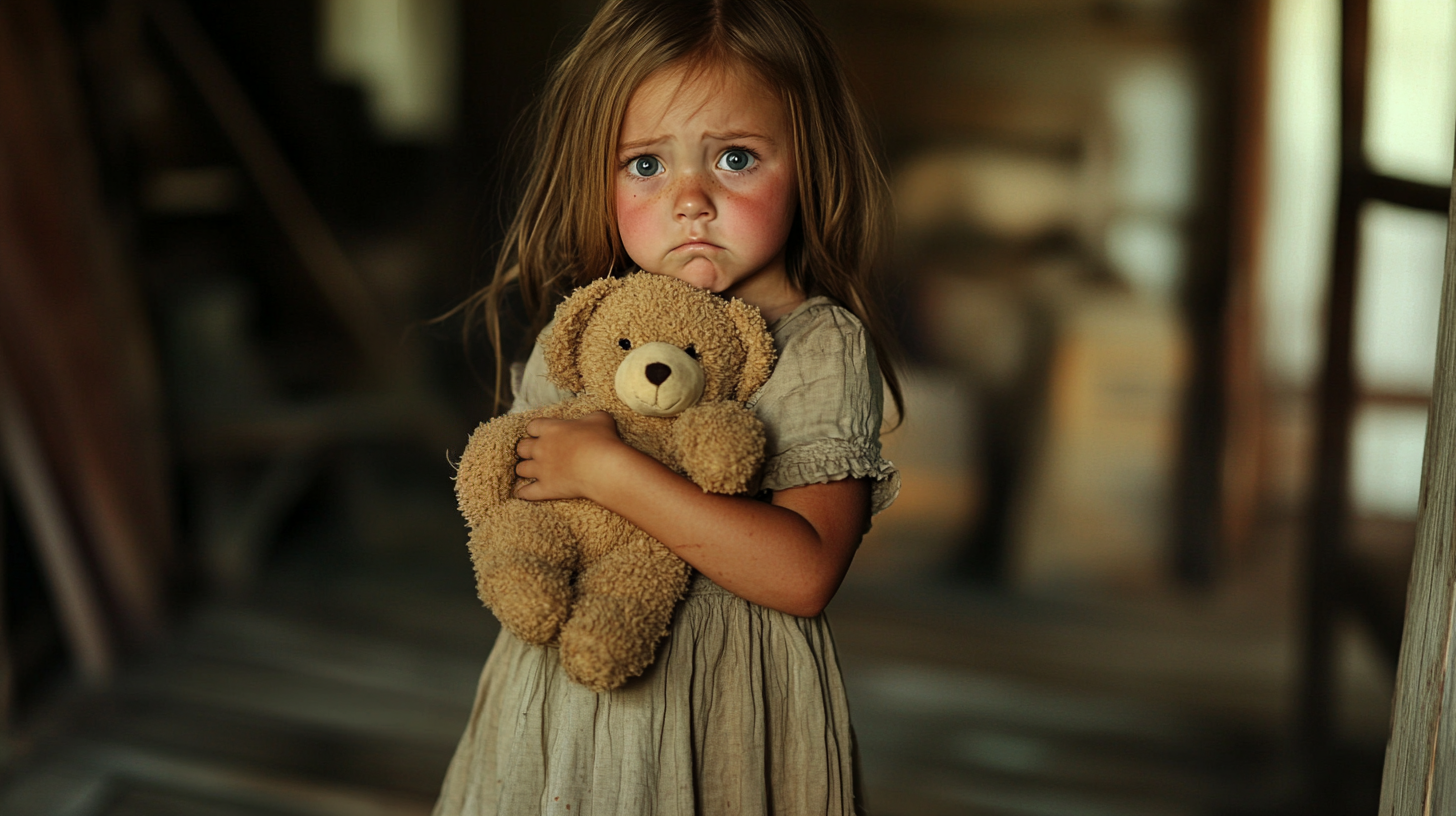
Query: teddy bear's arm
[[720, 446], [486, 474]]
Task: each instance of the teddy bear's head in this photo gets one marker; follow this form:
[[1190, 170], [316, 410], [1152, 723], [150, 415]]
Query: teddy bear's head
[[658, 345]]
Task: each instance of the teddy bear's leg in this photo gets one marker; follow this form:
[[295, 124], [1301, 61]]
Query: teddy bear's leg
[[623, 608], [524, 556]]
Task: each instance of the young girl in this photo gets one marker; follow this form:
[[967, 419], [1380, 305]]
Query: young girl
[[714, 141]]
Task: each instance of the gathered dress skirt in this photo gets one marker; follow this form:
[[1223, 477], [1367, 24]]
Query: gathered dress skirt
[[743, 712]]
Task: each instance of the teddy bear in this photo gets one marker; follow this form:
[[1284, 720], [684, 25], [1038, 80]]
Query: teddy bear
[[673, 365]]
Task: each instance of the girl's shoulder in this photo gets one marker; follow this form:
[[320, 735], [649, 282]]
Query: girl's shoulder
[[823, 405], [816, 315], [820, 340]]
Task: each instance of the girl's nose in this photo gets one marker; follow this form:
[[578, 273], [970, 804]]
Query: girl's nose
[[693, 201]]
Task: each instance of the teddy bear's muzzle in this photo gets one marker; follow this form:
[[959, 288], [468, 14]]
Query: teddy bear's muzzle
[[659, 379]]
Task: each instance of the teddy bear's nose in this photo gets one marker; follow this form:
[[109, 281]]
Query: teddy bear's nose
[[657, 373]]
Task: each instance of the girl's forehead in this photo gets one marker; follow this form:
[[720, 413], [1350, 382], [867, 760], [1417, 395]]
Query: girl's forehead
[[714, 95]]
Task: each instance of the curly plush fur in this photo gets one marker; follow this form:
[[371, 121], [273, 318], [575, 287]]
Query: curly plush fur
[[572, 572]]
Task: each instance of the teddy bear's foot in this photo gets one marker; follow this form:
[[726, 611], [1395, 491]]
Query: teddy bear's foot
[[529, 597], [524, 563], [605, 642], [623, 608]]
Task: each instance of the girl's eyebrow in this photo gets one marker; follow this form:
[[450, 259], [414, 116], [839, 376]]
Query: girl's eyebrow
[[736, 135], [732, 136], [640, 143]]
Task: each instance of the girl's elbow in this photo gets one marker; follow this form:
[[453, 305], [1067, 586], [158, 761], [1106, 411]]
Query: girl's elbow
[[819, 588], [813, 598], [803, 608]]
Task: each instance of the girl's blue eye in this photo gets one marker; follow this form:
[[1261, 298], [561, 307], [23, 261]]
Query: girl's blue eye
[[644, 166], [736, 160]]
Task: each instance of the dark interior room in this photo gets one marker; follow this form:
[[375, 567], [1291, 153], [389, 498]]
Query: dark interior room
[[1168, 278]]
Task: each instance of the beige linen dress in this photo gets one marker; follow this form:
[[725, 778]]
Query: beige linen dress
[[743, 712]]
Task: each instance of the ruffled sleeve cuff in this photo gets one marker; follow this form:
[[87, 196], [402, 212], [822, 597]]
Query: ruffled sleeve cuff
[[829, 460]]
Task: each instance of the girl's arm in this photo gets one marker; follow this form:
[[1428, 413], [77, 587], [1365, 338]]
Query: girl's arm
[[789, 555]]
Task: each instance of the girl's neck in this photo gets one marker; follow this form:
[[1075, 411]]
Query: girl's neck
[[774, 295], [779, 309]]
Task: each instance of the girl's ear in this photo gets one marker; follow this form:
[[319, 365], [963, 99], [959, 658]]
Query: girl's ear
[[757, 342], [560, 348]]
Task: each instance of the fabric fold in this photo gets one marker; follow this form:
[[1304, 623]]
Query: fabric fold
[[829, 460]]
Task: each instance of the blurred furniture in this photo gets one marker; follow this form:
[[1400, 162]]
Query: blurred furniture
[[1337, 579], [1096, 508], [1045, 152]]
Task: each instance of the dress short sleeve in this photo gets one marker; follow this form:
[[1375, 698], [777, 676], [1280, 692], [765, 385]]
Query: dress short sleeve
[[823, 406], [529, 386]]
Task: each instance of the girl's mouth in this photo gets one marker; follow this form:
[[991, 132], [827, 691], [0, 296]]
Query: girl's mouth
[[695, 245]]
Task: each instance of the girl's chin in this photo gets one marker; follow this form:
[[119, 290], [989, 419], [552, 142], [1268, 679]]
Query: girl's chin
[[701, 275]]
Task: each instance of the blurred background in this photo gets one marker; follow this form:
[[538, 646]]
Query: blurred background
[[1167, 272]]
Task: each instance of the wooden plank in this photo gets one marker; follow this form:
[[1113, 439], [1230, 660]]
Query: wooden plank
[[1413, 194], [74, 593], [57, 788], [1420, 759], [1443, 787], [301, 796]]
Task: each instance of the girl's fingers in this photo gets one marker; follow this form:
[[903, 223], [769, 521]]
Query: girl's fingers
[[535, 427], [536, 491], [526, 469], [523, 447]]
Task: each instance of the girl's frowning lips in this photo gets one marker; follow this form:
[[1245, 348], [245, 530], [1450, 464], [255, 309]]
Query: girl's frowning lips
[[691, 245]]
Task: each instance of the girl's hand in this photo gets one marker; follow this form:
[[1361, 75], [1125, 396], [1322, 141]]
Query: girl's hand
[[566, 457]]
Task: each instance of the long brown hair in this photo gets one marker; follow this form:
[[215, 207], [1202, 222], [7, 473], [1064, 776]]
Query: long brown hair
[[564, 233]]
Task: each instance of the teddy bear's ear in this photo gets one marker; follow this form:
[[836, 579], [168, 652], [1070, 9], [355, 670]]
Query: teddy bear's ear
[[571, 319], [759, 345]]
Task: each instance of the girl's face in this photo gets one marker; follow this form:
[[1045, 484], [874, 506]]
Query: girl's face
[[706, 185]]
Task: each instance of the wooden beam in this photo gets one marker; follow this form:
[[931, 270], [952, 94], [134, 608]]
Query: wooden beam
[[1420, 759], [74, 592], [1406, 193]]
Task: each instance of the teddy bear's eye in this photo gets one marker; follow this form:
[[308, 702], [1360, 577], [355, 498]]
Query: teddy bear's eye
[[625, 344], [692, 351]]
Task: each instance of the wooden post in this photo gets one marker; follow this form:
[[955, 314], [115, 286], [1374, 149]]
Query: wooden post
[[1326, 544], [1420, 759]]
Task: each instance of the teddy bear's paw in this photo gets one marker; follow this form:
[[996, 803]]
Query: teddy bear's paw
[[530, 597], [609, 640], [720, 446]]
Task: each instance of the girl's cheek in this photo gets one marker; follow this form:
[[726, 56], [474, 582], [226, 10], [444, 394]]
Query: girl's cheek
[[766, 201], [634, 221]]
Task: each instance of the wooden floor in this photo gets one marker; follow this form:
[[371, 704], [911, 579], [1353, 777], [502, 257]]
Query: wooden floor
[[341, 685]]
